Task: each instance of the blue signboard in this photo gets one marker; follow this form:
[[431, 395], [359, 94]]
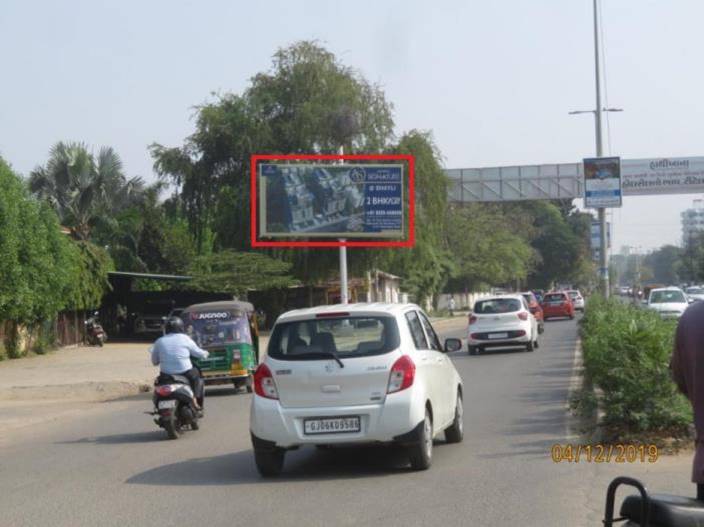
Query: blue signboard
[[331, 201]]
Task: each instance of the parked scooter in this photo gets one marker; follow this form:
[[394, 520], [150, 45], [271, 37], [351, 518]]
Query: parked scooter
[[94, 331], [652, 510], [174, 407]]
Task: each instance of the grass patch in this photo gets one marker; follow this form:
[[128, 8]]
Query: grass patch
[[626, 353]]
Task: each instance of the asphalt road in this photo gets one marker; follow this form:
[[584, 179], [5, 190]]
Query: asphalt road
[[112, 467]]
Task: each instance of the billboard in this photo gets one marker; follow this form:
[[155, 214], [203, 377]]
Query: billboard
[[602, 182], [673, 175], [596, 239], [331, 201]]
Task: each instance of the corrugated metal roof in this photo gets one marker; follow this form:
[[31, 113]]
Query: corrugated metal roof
[[150, 276]]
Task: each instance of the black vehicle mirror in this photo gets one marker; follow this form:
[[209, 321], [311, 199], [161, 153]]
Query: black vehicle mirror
[[452, 345]]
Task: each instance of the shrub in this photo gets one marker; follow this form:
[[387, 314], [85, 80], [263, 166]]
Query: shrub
[[626, 354]]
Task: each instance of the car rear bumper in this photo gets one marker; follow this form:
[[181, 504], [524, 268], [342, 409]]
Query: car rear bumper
[[481, 338], [399, 414]]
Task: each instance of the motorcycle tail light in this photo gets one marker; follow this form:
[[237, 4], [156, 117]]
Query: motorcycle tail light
[[164, 391]]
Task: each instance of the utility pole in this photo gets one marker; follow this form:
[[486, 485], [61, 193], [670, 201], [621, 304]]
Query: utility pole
[[603, 256], [344, 295]]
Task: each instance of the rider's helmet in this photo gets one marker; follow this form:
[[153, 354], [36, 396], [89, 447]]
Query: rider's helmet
[[174, 325]]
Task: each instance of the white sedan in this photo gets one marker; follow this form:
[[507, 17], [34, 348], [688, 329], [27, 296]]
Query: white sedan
[[355, 373], [668, 302], [503, 320]]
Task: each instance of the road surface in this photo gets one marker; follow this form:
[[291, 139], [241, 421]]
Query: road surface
[[110, 466]]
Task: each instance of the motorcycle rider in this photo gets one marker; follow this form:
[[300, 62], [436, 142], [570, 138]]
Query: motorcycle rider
[[173, 352]]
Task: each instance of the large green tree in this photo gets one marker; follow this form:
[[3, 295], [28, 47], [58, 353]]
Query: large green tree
[[308, 102], [43, 270]]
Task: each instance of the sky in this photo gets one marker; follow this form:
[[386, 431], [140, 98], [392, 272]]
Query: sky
[[493, 80]]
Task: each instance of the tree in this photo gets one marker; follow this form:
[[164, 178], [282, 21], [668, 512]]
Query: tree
[[487, 248], [307, 103], [81, 188], [43, 270], [238, 272], [666, 263]]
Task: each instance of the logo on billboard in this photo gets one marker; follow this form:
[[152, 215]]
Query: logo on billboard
[[357, 175]]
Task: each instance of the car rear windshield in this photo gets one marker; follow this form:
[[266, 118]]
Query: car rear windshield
[[554, 297], [664, 297], [695, 290], [346, 337], [574, 294], [497, 305]]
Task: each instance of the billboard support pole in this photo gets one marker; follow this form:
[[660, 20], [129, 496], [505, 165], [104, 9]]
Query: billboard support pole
[[603, 256], [344, 294]]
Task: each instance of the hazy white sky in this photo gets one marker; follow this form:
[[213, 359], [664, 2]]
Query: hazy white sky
[[493, 80]]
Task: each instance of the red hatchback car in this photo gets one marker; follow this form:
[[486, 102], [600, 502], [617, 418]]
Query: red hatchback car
[[557, 304]]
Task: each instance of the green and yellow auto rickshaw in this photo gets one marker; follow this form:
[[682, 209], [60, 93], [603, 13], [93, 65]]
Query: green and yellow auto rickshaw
[[228, 331]]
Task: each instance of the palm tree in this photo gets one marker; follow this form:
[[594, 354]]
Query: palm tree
[[83, 189]]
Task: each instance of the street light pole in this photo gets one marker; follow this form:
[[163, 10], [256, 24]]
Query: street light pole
[[344, 294], [603, 256]]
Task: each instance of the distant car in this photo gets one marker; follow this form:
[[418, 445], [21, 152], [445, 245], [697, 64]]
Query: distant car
[[696, 293], [557, 304], [535, 309], [503, 320], [577, 300], [668, 302], [355, 374]]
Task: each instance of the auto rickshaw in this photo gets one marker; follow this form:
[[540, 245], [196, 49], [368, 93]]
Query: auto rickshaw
[[228, 331]]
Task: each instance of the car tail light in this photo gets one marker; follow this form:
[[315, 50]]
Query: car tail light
[[520, 333], [475, 336], [264, 385], [402, 374], [472, 319], [164, 391], [523, 315]]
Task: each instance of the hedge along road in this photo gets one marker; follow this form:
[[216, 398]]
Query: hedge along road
[[113, 467]]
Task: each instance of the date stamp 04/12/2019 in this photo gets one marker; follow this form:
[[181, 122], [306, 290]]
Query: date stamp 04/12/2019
[[617, 453]]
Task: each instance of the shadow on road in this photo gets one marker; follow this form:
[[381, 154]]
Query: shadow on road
[[306, 464], [119, 439]]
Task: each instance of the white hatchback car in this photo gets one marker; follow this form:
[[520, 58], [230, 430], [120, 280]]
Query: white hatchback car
[[668, 302], [355, 373], [577, 299], [503, 320]]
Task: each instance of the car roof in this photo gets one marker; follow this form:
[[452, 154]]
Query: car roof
[[361, 308], [666, 289]]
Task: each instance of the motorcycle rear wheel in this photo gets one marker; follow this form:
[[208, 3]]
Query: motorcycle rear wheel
[[173, 428]]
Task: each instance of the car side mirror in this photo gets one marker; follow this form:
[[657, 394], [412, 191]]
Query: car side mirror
[[452, 345]]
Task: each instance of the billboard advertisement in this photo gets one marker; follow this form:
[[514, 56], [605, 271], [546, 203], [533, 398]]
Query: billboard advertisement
[[596, 239], [602, 182], [331, 200], [672, 175]]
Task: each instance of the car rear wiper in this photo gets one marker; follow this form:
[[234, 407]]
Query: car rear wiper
[[334, 356]]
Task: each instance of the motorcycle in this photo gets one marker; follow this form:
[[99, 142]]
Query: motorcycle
[[95, 333], [652, 510], [174, 407]]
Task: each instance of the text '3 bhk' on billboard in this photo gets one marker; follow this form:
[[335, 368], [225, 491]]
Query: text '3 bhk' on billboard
[[332, 200]]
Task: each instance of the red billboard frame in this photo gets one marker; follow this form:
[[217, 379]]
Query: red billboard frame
[[255, 158]]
